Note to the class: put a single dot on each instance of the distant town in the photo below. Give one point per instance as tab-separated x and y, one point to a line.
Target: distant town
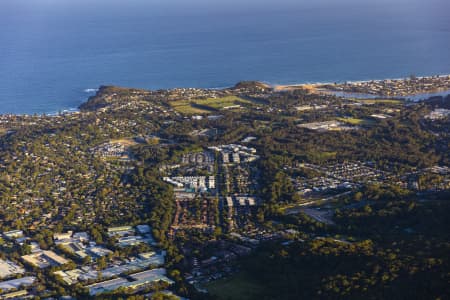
394	87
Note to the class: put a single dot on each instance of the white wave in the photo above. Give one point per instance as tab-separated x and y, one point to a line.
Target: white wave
67	111
90	90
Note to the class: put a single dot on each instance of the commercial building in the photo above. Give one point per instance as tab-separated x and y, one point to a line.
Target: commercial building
13	234
17	283
138	281
44	259
8	268
120	231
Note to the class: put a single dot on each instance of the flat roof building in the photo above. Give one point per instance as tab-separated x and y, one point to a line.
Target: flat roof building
8	268
16	283
13	234
44	259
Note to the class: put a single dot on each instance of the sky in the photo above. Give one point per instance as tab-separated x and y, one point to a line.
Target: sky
427	10
191	6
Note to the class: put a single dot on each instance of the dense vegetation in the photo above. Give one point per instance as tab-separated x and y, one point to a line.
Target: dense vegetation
394	249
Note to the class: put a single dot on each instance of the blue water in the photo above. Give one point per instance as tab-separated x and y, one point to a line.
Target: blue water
51	51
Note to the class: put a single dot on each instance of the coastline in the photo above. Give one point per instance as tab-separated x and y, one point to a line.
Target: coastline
413	88
280	86
312	87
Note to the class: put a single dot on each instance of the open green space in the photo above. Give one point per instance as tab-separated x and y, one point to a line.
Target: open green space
208	105
185	107
240	286
356	121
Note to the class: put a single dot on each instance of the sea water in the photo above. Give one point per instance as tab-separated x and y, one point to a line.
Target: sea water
55	54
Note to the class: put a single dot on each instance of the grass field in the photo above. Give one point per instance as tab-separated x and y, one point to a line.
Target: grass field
354	121
205	106
185	107
239	287
321	155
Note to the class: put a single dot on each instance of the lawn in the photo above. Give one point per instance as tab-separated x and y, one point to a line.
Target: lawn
321	155
221	103
205	106
240	287
185	107
188	109
355	121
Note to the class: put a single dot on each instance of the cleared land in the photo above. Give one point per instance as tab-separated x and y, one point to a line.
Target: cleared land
355	121
127	142
204	106
239	286
311	88
185	107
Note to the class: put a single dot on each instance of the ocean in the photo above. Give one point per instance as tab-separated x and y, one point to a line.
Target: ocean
55	54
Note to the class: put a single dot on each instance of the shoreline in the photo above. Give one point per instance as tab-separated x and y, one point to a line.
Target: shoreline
411	88
358	81
280	86
312	87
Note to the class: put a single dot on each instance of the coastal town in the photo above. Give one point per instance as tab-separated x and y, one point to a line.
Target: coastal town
170	193
394	87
